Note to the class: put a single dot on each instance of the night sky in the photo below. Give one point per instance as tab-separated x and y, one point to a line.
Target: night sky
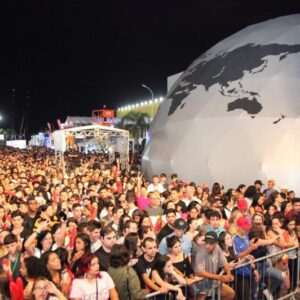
60	57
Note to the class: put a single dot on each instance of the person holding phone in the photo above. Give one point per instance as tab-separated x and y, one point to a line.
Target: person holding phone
270	278
225	243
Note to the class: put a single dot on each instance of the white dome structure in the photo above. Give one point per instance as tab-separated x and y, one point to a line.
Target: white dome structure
233	116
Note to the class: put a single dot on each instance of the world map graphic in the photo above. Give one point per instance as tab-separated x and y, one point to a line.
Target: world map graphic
228	68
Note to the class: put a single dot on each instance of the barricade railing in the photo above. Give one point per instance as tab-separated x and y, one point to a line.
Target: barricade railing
278	280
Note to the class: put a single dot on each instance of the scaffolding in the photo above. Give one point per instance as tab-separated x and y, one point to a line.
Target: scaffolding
112	140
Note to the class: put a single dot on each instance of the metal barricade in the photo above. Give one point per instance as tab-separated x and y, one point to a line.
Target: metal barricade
278	276
191	292
278	280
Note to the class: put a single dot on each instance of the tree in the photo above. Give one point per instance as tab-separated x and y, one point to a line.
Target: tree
10	134
136	123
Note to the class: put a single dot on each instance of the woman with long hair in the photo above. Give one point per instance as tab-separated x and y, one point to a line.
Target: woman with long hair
39	242
125	277
182	263
193	225
133	245
276	233
82	245
271	210
31	269
216	192
66	273
125	217
90	282
53	265
257	205
291	240
225	243
164	275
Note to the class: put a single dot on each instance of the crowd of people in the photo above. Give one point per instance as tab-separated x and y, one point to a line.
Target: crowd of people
96	231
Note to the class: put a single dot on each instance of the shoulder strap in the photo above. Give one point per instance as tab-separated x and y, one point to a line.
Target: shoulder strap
184	265
96	288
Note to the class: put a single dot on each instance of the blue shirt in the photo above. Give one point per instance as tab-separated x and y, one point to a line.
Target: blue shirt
241	244
218	231
186	245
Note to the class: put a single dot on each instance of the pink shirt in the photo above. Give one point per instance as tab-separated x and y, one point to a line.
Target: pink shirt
142	202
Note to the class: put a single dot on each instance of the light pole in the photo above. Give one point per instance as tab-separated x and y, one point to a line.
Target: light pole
150	90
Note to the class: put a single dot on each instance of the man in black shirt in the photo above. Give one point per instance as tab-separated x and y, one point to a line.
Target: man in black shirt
168	228
31	215
145	264
108	239
179	204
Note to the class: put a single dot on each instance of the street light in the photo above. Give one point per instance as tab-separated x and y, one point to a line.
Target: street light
150	90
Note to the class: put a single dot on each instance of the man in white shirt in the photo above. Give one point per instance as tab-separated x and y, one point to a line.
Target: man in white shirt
155	185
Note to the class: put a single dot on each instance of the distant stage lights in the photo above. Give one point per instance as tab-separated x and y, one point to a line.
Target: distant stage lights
155	100
161	99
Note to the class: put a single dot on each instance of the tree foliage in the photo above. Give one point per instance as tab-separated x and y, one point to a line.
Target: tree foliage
136	123
9	134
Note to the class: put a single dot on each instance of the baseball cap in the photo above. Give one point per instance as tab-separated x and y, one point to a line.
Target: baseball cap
284	187
211	237
242	204
258	182
243	223
180	224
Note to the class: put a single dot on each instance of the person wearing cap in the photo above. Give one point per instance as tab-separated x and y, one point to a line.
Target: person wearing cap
209	260
180	227
243	249
284	189
244	209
